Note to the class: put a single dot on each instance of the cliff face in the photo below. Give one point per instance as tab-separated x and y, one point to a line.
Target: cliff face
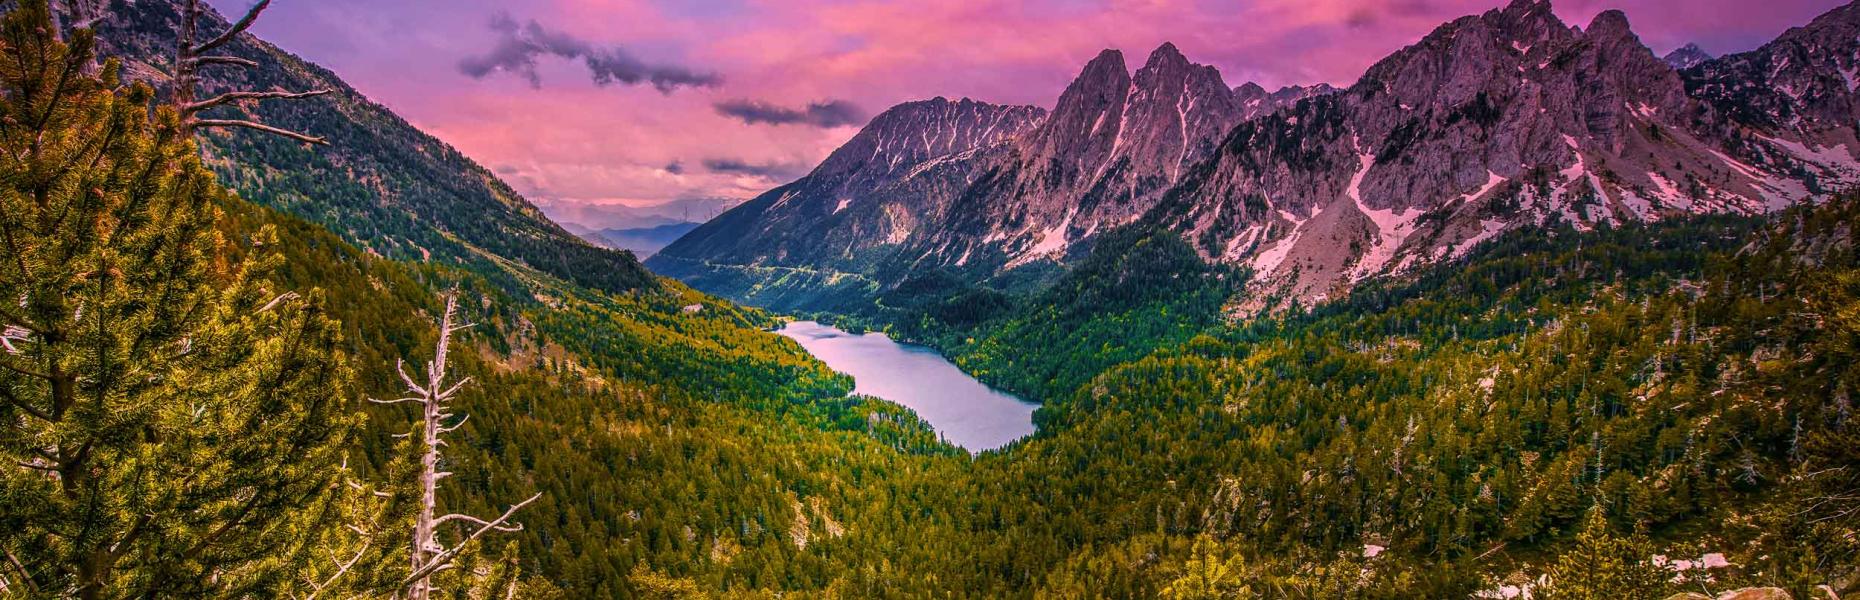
1492	122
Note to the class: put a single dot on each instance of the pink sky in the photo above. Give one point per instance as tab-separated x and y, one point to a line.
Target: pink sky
570	141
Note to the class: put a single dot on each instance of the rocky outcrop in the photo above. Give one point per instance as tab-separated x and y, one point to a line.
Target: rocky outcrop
1492	122
1255	101
1687	56
1114	143
896	176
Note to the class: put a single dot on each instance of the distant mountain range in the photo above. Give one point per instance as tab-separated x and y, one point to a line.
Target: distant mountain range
641	241
1492	122
598	215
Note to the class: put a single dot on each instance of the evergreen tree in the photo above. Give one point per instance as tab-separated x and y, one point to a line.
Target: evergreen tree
172	424
1603	566
1209	575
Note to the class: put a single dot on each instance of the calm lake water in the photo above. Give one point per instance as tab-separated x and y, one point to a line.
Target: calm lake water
964	411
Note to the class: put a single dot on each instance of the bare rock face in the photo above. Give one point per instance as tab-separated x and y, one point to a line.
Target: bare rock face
1687	56
1761	593
1790	106
1114	143
1255	101
1493	122
896	175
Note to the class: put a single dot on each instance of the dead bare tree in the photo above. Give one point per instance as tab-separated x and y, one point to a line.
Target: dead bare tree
428	554
191	56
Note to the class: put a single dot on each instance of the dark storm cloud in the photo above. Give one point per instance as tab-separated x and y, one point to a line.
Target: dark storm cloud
742	167
830	113
520	44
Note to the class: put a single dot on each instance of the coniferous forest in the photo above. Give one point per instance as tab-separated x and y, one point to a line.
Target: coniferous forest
228	372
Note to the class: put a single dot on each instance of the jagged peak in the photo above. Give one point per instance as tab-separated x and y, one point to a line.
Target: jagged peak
1249	90
1167	53
1610	23
1847	14
1687	56
1104	76
1108	58
1528	6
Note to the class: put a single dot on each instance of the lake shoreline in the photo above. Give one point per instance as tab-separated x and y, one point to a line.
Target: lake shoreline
963	410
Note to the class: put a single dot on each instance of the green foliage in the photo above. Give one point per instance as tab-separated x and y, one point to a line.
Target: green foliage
1692	378
1601	566
173	421
382	184
1207	574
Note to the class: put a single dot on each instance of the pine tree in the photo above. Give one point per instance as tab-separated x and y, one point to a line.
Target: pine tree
170	423
1207	575
1604	566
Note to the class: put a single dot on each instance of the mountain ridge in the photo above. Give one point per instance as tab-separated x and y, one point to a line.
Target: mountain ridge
1505	119
390	188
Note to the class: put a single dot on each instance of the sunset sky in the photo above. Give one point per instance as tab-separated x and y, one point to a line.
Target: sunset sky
639	102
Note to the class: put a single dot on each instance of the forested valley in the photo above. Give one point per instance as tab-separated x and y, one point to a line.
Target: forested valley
187	375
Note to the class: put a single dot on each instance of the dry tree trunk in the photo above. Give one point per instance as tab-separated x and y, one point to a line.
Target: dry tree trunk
427	554
191	56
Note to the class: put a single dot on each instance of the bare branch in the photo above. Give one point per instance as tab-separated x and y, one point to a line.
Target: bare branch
455	426
446	557
236	29
14	333
318	589
480	522
400	366
301	137
201	61
282	298
447	395
396	400
229	97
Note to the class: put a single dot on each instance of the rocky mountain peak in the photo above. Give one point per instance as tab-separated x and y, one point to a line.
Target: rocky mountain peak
913	132
1611	24
1802	83
1255	101
1525	20
1506	119
1077	122
1687	56
1166	56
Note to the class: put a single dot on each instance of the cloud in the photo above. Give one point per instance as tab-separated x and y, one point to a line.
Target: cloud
518	46
830	113
675	167
766	170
